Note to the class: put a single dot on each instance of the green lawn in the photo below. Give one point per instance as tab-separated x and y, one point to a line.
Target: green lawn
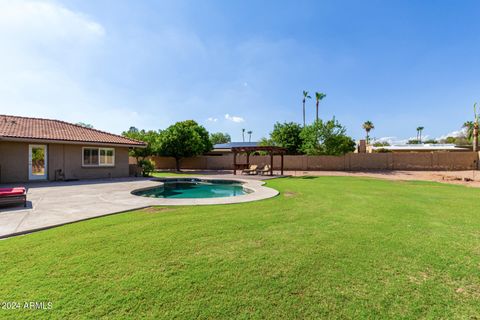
327	247
168	174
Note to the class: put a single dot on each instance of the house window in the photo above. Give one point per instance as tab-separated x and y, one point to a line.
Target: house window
106	157
98	157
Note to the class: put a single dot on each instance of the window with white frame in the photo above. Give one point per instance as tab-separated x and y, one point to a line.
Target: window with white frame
98	157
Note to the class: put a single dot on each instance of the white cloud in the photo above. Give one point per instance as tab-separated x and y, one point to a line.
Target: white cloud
394	140
457	133
211	119
236	119
424	137
41	21
399	141
390	140
47	55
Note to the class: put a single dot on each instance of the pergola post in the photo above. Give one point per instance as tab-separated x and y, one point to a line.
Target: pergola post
271	163
234	163
271	150
281	163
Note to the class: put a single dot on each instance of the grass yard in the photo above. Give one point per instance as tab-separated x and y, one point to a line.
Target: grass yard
167	174
327	247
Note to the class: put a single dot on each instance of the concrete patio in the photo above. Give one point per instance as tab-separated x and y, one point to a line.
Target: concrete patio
57	203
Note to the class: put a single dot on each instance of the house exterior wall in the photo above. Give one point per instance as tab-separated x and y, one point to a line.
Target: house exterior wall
65	157
13	162
74	170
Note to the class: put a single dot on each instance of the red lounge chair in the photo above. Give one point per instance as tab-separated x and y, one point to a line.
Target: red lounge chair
13	195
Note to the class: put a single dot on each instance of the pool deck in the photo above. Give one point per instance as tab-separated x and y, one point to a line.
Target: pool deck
53	204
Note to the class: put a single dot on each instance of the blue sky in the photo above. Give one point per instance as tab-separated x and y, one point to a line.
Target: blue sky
242	64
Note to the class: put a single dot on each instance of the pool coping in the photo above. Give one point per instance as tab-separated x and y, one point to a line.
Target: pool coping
259	192
56	204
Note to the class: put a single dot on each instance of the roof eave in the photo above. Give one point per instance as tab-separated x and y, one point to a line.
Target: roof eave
92	143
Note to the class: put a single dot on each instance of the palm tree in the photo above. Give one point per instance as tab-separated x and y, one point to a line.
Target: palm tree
249	136
475	128
319	96
419	134
243	135
305	97
468	127
368	125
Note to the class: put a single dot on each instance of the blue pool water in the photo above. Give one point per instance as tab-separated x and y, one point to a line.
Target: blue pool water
195	188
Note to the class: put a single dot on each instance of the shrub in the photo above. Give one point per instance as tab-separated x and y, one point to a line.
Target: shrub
148	166
382	150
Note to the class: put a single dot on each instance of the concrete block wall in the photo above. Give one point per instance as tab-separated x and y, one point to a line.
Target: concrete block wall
348	162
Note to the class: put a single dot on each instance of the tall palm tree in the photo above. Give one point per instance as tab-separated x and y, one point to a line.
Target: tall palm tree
468	127
419	134
243	135
319	96
368	125
305	97
475	128
249	136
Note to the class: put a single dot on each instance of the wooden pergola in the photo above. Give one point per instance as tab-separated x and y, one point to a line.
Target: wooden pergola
271	150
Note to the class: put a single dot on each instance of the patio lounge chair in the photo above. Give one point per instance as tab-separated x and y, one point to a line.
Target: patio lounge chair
251	170
13	196
265	170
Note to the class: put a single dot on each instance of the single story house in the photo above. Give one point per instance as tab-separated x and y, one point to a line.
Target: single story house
50	150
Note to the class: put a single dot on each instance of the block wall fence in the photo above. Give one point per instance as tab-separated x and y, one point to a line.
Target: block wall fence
348	162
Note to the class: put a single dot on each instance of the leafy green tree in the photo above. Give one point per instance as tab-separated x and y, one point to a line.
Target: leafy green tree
184	139
266	142
430	141
382	150
38	154
219	137
460	140
326	138
413	141
368	126
287	135
381	144
151	137
305	97
85	125
449	140
318	97
131	131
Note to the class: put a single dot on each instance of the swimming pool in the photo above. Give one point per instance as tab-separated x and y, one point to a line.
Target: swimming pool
195	189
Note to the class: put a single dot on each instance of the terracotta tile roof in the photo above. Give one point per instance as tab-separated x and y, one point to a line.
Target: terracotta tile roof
56	130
